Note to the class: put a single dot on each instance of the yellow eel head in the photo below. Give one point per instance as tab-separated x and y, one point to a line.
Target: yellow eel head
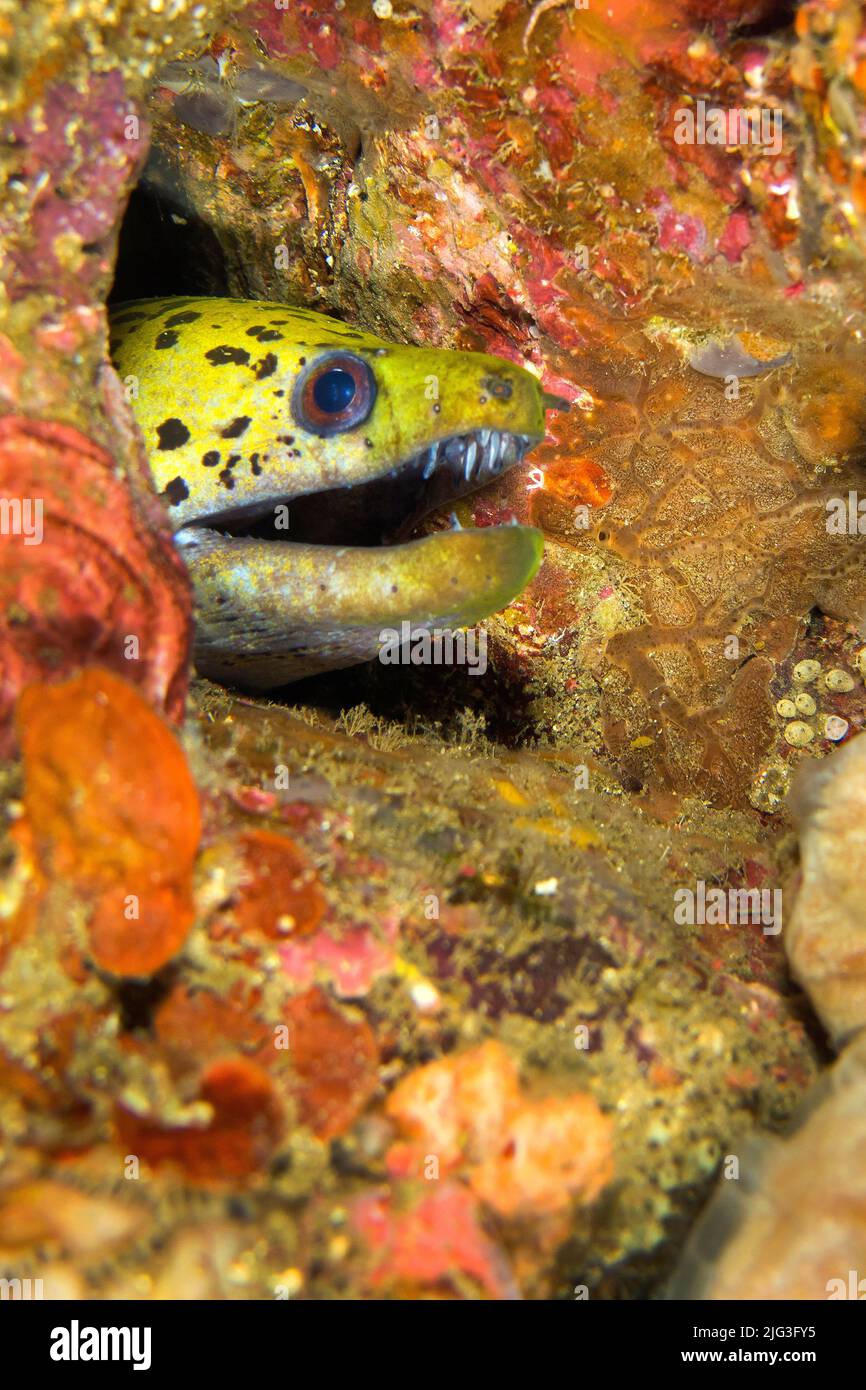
292	450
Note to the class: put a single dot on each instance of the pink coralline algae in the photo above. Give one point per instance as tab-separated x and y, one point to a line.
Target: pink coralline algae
350	957
736	238
437	1241
90	145
678	231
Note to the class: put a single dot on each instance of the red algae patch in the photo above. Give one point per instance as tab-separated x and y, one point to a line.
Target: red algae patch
336	1062
111	808
323	1058
218	1052
351	961
246	1075
282	896
242	1123
200	1025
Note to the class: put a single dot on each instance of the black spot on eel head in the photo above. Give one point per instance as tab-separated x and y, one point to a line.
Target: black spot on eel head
237	427
263	334
222	355
172	433
267	366
176	491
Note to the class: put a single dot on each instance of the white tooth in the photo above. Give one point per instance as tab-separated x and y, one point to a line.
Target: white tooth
495	446
483	437
431	461
471	454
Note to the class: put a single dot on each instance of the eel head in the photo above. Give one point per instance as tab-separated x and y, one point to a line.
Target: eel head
297	454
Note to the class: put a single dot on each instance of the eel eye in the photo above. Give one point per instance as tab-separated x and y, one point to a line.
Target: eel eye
335	393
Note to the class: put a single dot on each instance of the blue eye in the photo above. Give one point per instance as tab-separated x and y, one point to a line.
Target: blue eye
333	391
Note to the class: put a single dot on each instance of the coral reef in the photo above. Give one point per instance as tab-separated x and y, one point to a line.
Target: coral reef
381	989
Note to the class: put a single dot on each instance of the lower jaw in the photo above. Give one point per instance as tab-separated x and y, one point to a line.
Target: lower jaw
271	612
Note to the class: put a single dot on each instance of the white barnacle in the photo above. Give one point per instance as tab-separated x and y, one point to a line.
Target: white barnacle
835	728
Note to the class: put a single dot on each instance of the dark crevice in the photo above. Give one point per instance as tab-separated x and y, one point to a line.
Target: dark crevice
138	999
423	698
775	20
164	249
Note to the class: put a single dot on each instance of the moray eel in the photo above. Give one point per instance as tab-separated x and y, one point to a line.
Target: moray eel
293	451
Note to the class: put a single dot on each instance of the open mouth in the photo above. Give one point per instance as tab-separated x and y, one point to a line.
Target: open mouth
387	508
